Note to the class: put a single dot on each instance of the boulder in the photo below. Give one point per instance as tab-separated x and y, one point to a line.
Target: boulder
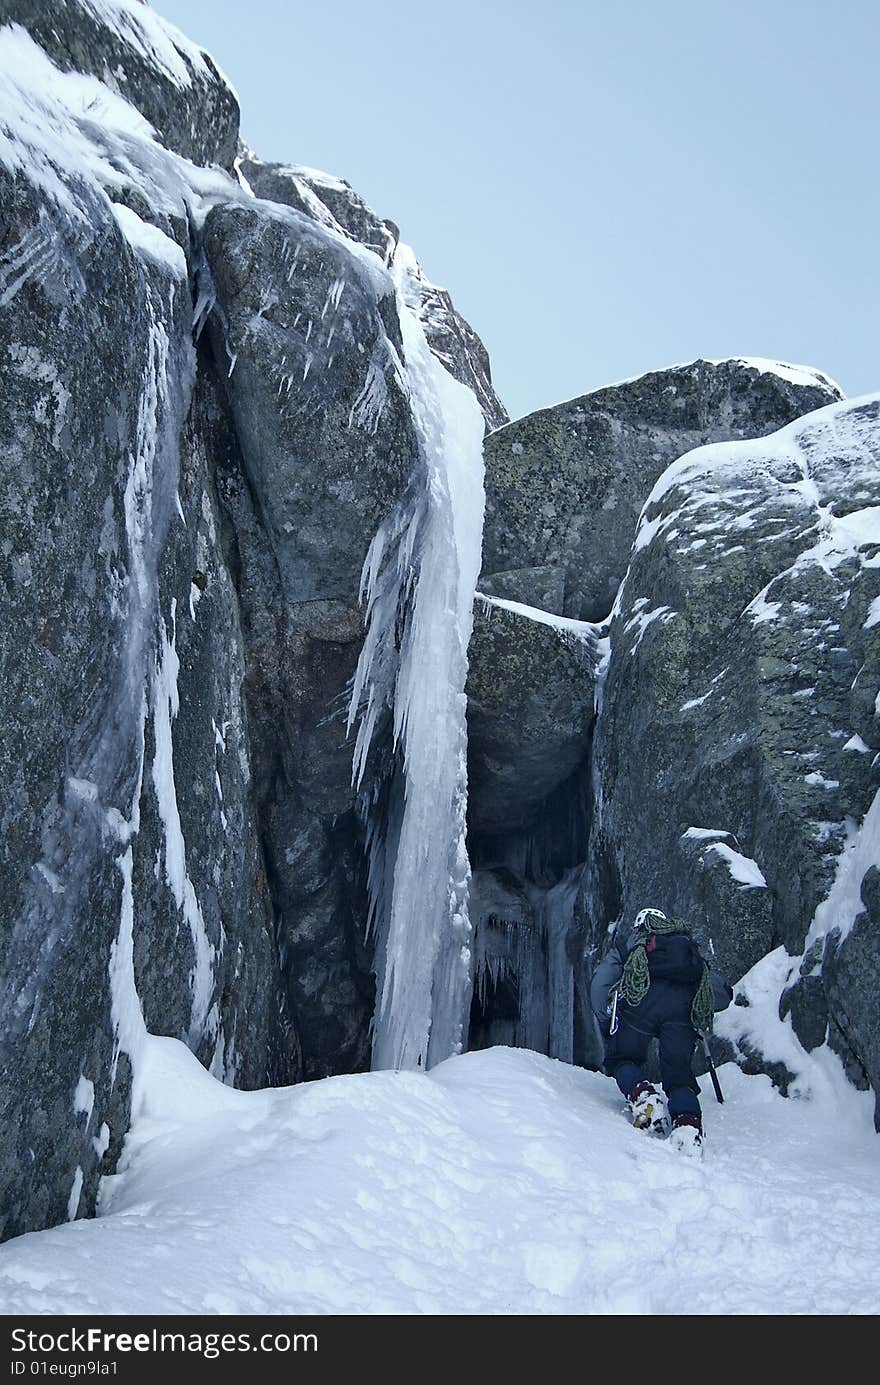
531	689
304	338
565	485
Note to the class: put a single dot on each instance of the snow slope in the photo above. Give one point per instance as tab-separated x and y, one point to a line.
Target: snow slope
500	1182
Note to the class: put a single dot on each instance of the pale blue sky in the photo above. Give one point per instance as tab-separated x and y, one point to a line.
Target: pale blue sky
604	187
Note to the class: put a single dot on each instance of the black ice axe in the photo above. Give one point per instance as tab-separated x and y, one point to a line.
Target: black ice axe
712	1073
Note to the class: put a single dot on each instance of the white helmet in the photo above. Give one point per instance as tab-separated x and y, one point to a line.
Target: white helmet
644	917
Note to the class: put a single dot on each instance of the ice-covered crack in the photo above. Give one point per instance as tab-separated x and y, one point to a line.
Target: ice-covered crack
126	1012
125	1006
165	707
150	484
839	910
139	486
367	409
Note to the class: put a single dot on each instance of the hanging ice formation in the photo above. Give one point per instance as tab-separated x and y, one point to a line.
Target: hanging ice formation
418	582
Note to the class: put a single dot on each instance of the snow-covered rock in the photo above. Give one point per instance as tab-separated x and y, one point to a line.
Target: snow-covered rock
564	486
728	793
123	747
139	57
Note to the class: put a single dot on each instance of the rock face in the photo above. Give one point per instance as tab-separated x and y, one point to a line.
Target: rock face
335	205
124	771
313	390
737	742
530	711
564	486
186	509
564	490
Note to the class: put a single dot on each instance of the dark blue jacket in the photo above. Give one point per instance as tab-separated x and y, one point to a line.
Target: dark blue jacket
610	969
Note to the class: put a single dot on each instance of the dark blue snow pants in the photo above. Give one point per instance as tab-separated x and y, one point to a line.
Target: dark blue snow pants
665	1015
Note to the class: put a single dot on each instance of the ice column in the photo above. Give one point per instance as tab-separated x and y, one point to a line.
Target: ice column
419	581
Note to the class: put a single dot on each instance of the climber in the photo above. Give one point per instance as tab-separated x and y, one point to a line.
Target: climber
658	986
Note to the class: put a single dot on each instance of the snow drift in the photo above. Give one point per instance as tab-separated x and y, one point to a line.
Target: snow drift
501	1182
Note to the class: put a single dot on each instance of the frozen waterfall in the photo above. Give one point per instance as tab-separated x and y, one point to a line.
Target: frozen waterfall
419	582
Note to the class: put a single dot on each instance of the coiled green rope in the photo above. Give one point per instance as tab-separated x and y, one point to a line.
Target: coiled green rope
636	978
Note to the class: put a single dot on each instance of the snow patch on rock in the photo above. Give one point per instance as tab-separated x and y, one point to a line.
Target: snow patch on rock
746	872
149	242
584	630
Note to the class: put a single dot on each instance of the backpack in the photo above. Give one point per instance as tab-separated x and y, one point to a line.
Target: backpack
674	957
